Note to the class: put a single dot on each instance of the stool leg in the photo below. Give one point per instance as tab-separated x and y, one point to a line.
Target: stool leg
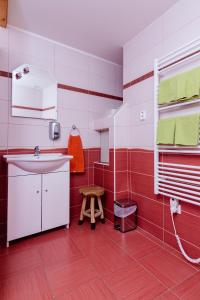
82	210
92	202
101	210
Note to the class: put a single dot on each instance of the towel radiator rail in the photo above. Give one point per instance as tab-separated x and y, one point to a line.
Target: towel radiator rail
174	180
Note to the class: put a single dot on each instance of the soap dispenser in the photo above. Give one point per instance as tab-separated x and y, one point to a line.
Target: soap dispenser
54	130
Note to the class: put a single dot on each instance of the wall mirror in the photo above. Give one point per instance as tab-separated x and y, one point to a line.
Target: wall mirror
34	93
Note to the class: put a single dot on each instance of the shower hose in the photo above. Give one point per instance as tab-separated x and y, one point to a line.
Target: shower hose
190	259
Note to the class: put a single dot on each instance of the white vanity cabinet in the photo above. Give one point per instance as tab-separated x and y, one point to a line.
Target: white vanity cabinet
24	206
36	202
55	200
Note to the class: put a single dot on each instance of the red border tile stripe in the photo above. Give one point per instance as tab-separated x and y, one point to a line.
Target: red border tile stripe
73	88
5	74
85	91
139	79
151	73
33	108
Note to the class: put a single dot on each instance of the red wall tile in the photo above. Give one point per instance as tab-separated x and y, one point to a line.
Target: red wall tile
98	176
108	180
108	201
150	227
144	185
142	162
187	226
121	181
149	209
154	214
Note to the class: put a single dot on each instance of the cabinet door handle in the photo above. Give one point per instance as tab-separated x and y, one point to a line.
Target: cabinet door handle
46	190
37	192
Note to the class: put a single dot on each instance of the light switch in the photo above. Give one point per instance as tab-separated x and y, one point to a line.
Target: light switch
143	115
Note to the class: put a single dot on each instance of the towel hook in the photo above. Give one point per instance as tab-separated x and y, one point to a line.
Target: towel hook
74	127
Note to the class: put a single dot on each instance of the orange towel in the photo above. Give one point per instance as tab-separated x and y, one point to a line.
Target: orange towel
75	148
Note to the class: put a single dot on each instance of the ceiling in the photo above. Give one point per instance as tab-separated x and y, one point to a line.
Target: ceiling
100	27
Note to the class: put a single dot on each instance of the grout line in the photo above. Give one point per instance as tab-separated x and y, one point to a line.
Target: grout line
188	242
135	260
171	252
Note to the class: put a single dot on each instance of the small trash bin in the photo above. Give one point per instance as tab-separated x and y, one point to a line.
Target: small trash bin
125	215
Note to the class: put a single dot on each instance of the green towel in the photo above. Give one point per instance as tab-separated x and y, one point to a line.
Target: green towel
193	84
181	86
166	131
184	86
187	130
167	90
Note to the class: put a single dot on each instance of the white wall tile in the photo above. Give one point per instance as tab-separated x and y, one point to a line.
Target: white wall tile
122	137
150	37
3	111
68	117
122	117
142	136
141	92
70	58
21	42
73	100
180	14
72	76
183	36
147	107
4	88
93	139
3	135
3	49
102	105
28	136
18	58
69	67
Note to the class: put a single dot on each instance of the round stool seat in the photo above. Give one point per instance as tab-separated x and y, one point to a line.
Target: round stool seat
97	191
92	192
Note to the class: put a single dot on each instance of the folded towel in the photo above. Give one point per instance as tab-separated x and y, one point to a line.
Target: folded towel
167	90
184	86
187	130
181	86
75	148
193	84
166	131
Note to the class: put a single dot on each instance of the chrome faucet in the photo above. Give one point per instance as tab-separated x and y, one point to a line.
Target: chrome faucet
36	151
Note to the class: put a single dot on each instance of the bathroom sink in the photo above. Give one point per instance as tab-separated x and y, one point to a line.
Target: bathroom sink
43	163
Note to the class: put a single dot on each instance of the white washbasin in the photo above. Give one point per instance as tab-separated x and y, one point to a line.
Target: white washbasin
43	163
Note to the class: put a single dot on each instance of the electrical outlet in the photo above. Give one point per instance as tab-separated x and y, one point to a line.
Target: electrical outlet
175	207
143	115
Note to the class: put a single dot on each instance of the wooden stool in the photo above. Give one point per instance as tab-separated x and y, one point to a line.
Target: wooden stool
92	193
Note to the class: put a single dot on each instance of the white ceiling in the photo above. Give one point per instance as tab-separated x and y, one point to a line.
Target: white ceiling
100	27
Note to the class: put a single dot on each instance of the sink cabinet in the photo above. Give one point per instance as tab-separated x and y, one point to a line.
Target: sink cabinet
36	202
55	206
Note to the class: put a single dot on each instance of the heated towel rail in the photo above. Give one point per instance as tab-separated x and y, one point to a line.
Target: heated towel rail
173	179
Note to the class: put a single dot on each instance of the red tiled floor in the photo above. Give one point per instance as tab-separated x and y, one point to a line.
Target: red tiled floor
89	240
134	282
18	262
60	250
94	289
80	264
64	278
109	258
136	245
189	289
167	267
31	285
167	296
